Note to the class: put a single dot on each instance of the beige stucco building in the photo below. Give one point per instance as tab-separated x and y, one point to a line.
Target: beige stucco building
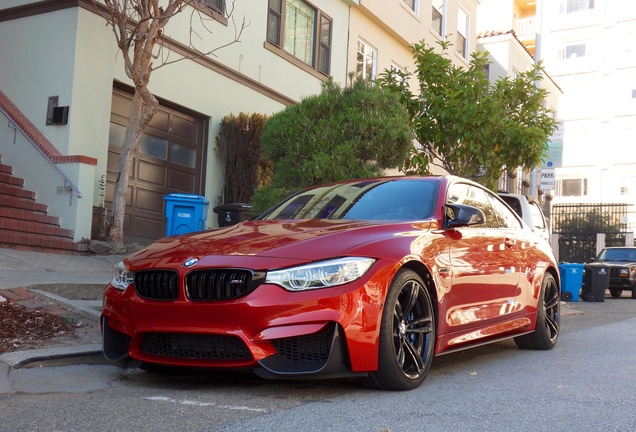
65	94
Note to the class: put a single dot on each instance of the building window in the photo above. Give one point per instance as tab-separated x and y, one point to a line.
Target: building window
438	12
301	31
413	5
623	190
575	50
633	93
462	32
571	6
217	5
573	187
399	73
367	59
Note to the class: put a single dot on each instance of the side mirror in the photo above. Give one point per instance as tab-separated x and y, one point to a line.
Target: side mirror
459	215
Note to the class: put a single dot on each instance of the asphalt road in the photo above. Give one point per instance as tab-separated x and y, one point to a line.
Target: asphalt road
587	382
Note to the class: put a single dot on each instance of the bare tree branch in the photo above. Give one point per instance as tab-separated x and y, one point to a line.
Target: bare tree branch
138	27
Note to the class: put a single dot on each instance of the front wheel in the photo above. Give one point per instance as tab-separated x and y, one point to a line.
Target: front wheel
407	335
546	332
616	293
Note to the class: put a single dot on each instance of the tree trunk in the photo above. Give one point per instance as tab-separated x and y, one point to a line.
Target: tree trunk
143	108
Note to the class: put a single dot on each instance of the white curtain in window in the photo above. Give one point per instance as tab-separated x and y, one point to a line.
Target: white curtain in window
299	30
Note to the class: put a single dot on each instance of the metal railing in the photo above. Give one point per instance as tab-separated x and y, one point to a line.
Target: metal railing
524	26
578	225
68	183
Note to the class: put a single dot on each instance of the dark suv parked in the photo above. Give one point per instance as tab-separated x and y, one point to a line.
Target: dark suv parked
622	265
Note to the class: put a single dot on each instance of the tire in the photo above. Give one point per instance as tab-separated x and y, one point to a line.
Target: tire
407	335
546	332
616	293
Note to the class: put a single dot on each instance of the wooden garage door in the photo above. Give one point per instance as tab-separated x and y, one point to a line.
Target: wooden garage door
170	159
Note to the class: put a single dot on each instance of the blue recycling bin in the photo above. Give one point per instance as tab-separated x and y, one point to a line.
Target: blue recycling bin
185	213
571	281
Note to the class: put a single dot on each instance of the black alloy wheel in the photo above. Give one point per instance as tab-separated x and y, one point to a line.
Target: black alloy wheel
548	318
407	335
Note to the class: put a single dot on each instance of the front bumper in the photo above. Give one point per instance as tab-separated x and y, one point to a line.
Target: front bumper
275	333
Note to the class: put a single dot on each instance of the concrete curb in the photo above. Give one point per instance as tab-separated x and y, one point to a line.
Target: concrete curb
85	307
18	359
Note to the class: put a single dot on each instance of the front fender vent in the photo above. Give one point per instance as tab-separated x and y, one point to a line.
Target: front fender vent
307	348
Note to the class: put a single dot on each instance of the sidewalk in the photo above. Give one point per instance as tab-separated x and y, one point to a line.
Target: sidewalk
57	283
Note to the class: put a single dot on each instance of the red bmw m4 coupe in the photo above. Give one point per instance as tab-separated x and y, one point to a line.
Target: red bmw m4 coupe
369	278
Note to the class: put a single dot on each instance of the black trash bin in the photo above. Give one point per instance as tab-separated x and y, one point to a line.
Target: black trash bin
596	283
232	213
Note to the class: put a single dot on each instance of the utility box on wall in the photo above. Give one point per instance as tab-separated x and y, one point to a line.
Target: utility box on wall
185	213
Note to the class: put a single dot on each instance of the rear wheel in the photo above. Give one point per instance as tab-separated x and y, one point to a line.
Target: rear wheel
616	293
407	335
548	318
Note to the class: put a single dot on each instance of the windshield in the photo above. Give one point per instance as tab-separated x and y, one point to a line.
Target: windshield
624	254
390	199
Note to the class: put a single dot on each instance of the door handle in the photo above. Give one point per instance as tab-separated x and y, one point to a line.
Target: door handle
510	242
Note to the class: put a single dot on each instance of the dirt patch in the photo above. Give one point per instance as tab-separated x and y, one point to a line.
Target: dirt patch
40	323
21	328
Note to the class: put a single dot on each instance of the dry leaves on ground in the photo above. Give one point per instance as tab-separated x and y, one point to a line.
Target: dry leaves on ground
21	328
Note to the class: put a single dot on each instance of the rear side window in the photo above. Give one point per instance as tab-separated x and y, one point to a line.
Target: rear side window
537	216
506	218
513	203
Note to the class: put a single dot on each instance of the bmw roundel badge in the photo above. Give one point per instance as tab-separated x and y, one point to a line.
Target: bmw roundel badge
190	262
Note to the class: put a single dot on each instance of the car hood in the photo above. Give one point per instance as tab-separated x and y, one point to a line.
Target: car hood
613	264
270	244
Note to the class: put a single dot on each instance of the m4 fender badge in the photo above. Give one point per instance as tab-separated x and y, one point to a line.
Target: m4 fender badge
190	262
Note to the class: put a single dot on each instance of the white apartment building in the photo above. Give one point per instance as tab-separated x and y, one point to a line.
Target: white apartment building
508	31
589	48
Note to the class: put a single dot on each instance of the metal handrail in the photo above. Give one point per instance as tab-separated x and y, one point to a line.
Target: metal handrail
67	180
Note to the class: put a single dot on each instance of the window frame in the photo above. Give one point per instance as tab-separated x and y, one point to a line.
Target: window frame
374	61
564	6
321	43
211	10
415	8
218	5
571	46
442	18
464	52
567	186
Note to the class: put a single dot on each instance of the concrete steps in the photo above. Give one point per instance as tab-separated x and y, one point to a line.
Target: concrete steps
25	223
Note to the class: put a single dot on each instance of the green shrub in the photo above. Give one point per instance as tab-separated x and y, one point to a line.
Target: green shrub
339	134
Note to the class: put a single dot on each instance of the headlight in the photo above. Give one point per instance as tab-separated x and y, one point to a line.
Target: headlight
322	274
624	272
122	277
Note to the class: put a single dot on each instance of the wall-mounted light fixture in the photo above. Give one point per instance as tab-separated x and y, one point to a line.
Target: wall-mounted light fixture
56	115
